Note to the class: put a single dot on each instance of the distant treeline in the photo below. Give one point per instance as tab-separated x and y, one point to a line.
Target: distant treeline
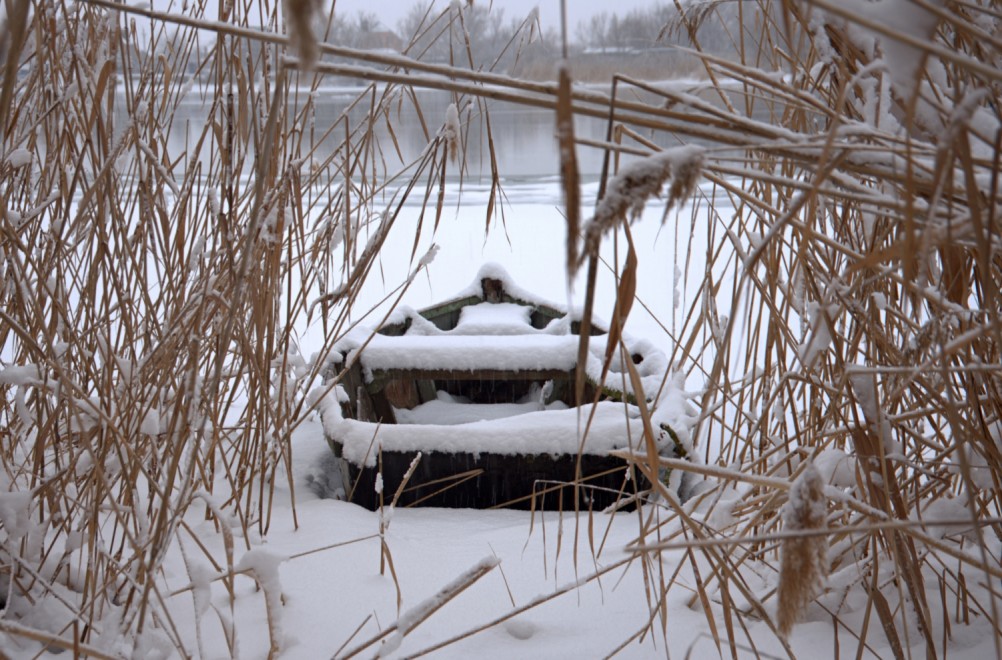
649	42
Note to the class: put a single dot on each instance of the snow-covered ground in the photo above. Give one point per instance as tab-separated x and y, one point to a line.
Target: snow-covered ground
330	593
335	599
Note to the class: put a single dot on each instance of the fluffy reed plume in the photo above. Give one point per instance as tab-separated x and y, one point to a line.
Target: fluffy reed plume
804	558
452	130
637	182
299	22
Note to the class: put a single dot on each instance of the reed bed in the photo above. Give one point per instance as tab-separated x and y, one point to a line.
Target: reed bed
849	322
153	294
844	347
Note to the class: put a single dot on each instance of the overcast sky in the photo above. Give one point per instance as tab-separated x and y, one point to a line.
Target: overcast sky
391	11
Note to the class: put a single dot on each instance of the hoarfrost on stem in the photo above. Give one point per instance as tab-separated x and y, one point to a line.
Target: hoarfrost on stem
820	336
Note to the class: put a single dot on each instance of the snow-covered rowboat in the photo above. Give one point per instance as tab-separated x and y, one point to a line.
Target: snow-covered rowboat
482	386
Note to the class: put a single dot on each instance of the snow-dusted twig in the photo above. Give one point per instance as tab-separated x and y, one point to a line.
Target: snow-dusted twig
415	616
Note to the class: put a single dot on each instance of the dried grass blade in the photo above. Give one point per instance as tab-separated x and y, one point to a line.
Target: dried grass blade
626	293
886	620
581	370
14	35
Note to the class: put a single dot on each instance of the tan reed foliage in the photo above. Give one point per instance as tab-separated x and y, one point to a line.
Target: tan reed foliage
173	210
846	253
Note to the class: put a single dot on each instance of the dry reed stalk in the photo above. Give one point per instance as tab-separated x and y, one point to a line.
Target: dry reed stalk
536	602
569	176
412	619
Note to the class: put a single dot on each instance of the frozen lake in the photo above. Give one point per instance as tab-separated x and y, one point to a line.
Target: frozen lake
530	245
523	136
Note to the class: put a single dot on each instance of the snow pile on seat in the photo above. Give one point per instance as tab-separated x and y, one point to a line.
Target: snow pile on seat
545	432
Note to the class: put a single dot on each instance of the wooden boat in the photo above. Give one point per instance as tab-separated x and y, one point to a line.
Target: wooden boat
482	387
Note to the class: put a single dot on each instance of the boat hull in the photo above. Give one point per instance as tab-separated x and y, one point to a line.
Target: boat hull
485	480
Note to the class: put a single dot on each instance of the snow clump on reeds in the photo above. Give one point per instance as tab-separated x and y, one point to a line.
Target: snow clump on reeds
451	131
637	182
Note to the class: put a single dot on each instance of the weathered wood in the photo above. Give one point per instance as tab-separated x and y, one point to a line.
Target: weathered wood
593	330
363	406
396	329
426	390
493	289
431	380
446	315
381	408
380	377
359	399
521	481
402	393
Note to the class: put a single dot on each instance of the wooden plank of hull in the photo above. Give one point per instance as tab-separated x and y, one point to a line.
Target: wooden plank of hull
518	481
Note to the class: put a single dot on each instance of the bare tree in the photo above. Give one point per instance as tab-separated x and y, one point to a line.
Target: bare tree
593	32
468	36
